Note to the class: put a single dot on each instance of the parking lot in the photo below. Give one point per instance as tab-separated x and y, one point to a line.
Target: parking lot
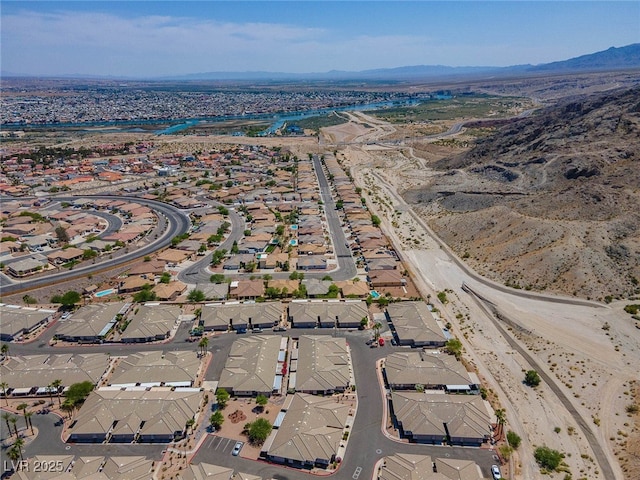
219	444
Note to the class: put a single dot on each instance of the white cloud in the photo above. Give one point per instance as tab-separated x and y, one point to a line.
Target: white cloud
30	40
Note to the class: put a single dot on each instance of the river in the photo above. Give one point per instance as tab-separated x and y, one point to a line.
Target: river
276	120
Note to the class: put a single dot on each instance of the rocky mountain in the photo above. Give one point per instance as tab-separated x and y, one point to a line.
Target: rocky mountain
549	202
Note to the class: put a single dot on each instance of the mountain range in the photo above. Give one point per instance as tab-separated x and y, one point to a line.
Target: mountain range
620	58
611	59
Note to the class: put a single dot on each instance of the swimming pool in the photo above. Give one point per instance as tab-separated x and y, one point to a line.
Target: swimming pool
294	227
104	293
293	242
375	295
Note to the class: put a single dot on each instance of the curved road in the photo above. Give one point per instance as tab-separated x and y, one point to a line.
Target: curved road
470	272
171	220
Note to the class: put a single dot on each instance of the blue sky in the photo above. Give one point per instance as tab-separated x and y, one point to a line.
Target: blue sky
149	38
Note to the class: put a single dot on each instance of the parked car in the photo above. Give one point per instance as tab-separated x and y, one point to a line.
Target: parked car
237	448
381	341
495	472
256	330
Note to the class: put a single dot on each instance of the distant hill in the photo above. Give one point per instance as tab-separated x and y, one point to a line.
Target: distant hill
610	59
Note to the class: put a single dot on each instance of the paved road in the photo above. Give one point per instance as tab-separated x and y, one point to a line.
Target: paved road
198	273
171	222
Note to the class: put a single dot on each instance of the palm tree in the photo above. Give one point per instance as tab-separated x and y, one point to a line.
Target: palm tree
68	406
18	444
500	420
6	416
4	350
376	329
57	383
27	418
4	386
204	342
50	392
13	420
23	407
13	454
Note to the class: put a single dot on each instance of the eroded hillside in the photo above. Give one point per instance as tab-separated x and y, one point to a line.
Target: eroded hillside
549	202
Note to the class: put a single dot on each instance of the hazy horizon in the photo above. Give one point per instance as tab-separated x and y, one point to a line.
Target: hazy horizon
153	39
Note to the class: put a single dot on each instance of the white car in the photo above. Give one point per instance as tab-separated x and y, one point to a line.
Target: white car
237	448
495	472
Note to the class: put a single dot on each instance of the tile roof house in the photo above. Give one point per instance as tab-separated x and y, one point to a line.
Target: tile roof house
310	433
415	325
323	365
251	366
126	416
432	370
246	289
439	418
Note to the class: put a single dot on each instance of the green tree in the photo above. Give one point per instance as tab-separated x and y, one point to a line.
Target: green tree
68	299
216	419
78	392
4	350
29	300
375	220
454	347
514	439
234	248
547	458
62	235
442	296
333	291
217	278
89	254
145	295
222	397
532	378
261	401
196	296
165	277
259	430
